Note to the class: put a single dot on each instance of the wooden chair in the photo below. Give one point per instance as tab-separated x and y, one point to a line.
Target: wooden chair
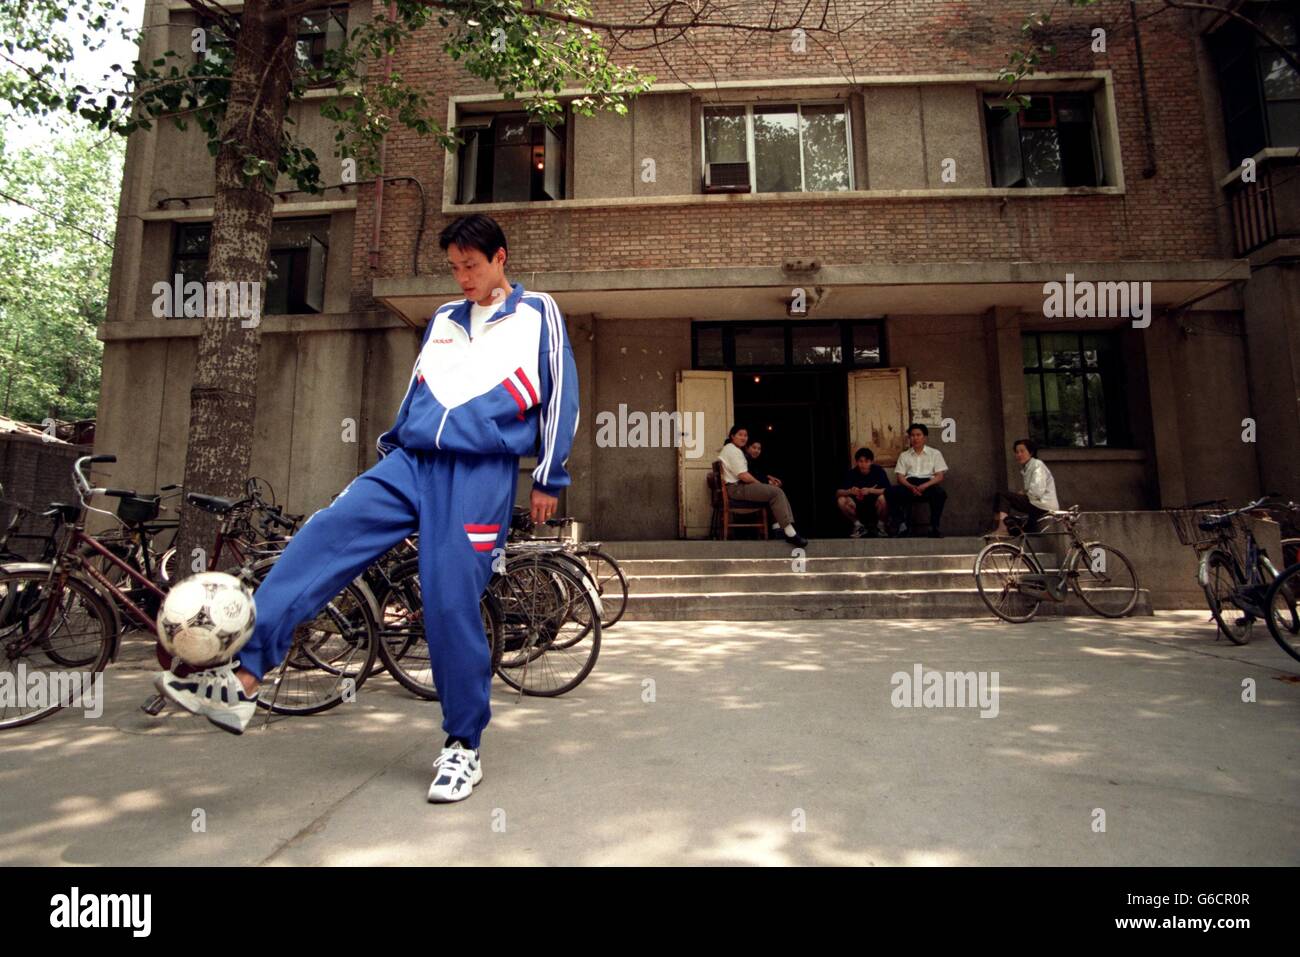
723	509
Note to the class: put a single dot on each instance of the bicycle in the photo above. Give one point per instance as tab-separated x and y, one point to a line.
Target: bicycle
1283	617
65	613
1233	571
548	611
534	606
586	558
1013	582
403	646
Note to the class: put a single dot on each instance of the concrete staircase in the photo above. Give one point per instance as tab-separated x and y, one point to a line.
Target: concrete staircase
840	578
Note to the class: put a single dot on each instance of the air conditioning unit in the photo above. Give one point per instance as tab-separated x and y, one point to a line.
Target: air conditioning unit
726	178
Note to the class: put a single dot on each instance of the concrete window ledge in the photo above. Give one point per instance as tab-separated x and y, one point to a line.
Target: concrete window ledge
840	196
271	325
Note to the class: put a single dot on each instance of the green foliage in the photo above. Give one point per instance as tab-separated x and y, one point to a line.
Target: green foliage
53	273
523	55
1024	61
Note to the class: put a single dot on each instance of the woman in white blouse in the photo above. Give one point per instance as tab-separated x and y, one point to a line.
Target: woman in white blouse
1039	496
744	487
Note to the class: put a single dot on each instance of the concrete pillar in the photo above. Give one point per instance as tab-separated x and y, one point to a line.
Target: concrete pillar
580	499
1272	300
1166	437
1006	360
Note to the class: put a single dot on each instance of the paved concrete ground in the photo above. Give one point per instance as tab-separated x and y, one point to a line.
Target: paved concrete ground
755	729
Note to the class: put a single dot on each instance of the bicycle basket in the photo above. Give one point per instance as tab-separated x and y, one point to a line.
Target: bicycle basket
137	509
1187	520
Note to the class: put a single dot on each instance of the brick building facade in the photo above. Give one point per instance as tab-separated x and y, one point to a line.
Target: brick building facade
881	187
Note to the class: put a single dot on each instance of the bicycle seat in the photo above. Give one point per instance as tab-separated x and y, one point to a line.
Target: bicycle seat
211	503
66	512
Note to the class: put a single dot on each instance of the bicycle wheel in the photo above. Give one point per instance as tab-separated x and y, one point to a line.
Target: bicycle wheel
998	570
611	585
543	604
329	660
402	644
1290	552
1105	579
1221	580
1283	617
44	623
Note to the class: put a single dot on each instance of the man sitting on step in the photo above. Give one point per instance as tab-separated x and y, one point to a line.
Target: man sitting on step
863	496
920	471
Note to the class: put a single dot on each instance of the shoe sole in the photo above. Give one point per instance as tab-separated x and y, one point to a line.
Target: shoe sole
238	729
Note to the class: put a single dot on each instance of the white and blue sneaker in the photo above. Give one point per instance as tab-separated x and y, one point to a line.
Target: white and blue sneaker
217	694
455	772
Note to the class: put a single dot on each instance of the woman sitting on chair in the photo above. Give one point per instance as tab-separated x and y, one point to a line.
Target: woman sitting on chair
744	487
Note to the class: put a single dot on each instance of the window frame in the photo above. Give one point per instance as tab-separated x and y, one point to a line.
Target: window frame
845	106
484	124
213	28
1224	57
178	257
729	328
1112	378
989	110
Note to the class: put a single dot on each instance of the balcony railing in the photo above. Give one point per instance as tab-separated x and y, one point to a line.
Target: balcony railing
1266	209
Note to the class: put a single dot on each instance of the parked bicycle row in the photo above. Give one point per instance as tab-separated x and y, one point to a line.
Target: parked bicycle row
1241	584
544	610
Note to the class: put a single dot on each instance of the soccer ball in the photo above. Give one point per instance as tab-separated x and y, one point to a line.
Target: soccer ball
206	618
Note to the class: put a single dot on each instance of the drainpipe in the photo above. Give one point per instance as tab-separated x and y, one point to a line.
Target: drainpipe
1150	170
383	144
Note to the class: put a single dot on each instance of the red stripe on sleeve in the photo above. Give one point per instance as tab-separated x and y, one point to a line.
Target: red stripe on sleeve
532	393
519	399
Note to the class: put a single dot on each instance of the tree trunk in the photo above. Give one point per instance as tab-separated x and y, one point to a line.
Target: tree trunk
223	398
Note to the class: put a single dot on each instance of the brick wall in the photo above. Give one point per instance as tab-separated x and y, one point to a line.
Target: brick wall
1168	217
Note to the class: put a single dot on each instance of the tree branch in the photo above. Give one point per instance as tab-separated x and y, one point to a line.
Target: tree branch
54	219
1287	55
221	15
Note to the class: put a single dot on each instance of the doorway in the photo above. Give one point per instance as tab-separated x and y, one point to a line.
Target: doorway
801	418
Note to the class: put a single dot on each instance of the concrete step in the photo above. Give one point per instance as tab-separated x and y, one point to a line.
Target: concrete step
784	606
777	548
786	582
638	567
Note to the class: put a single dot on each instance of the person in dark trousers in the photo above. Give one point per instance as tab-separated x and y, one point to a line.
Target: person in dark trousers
494	380
744	487
753	452
863	496
1039	496
921	471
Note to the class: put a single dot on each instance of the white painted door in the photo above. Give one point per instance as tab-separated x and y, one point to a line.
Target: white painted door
878	413
704	401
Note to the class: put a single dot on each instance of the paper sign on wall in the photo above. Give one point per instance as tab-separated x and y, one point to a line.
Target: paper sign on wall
927	402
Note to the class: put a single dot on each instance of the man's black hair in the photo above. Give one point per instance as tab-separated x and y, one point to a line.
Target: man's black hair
476	231
919	425
864	453
1030	446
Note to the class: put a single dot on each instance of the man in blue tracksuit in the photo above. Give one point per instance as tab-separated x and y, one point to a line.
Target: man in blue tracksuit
495	379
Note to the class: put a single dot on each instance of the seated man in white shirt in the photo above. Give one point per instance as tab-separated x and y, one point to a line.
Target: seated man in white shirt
1039	496
921	471
744	487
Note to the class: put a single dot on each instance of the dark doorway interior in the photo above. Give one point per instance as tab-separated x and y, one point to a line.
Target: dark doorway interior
802	420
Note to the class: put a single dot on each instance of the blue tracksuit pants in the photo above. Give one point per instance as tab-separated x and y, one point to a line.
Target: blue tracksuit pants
460	504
